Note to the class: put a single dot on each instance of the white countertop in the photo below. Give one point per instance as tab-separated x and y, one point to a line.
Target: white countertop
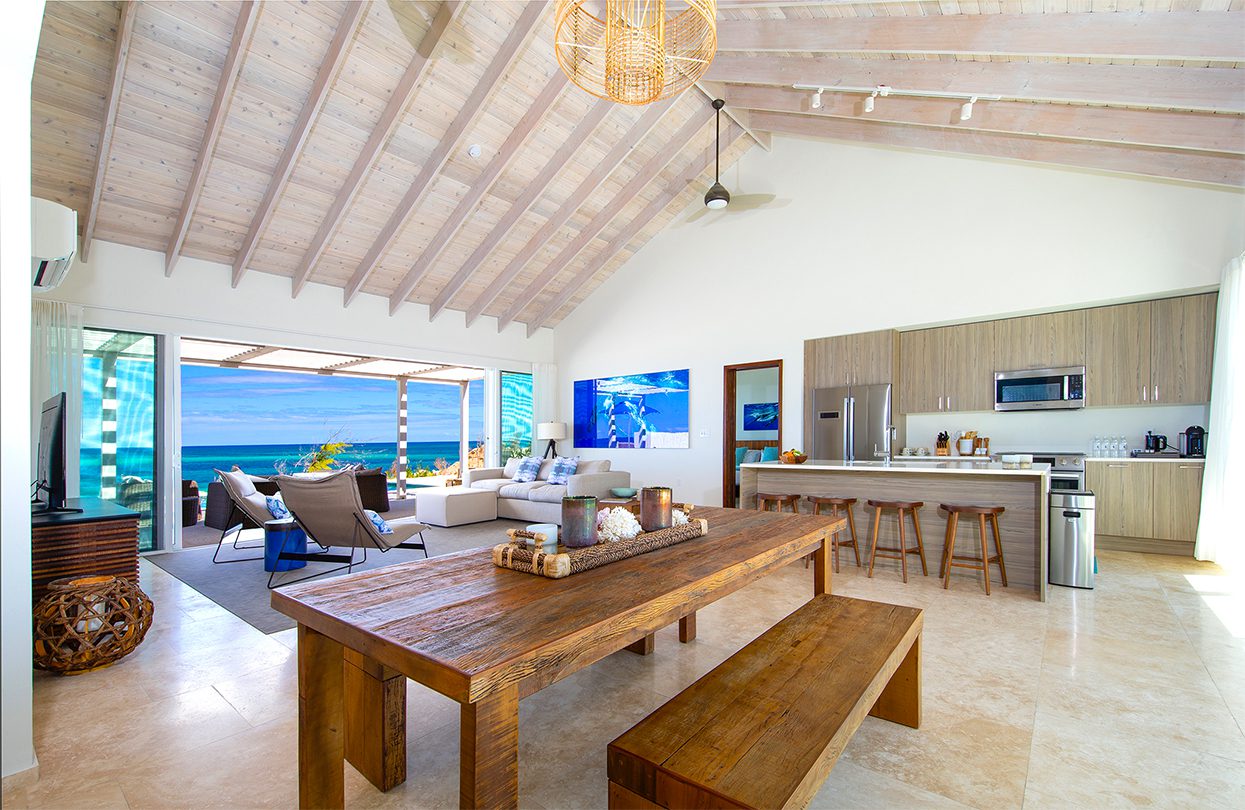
1151	459
952	466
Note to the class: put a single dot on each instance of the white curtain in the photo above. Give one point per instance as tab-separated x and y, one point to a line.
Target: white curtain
1219	535
56	366
544	394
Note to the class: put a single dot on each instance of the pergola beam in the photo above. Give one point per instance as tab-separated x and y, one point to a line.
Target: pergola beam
653	167
431	167
329	67
590	184
695	167
125	34
1201	167
1198	89
242	30
398	102
531	192
1161	128
1175	35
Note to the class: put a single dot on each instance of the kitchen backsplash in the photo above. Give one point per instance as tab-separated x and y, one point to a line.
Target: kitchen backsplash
1059	430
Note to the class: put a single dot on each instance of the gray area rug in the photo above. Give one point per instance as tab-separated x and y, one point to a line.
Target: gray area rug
242	587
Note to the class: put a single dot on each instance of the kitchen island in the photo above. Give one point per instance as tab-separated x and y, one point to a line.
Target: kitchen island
1022	492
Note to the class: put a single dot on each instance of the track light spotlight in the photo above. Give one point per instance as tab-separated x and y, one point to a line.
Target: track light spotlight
817	100
966	109
869	101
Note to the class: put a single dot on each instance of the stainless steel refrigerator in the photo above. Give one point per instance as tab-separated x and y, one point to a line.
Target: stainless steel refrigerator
852	422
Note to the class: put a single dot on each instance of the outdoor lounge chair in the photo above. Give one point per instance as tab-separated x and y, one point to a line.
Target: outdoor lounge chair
248	509
330	511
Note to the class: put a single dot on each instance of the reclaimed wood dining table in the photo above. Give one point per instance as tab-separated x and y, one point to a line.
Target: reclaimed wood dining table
486	636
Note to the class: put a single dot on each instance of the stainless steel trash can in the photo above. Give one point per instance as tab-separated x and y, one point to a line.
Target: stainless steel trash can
1071	560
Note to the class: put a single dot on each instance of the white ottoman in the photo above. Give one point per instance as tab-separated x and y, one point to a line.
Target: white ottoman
455	506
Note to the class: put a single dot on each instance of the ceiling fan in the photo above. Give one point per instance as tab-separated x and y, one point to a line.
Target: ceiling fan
717	198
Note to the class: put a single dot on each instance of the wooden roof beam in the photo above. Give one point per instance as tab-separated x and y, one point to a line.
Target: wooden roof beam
1162	128
329	67
509	148
1200	89
1192	35
716	90
701	161
431	167
125	33
1198	167
652	114
653	167
531	192
446	14
248	12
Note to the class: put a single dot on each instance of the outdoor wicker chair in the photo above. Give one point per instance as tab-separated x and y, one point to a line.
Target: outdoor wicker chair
330	511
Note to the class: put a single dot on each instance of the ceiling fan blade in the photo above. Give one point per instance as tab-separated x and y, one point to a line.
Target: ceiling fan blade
745	202
695	215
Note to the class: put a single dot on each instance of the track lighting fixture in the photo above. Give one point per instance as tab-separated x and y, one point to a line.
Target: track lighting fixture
817	100
869	101
966	109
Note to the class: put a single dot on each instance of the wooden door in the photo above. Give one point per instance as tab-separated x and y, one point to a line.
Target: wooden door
1117	356
873	357
1040	341
1182	335
1177	500
922	386
968	367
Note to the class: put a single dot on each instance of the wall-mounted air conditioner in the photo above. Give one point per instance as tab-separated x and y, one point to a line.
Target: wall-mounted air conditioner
53	238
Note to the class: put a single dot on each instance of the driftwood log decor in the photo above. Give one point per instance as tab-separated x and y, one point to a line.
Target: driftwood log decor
87	623
521	555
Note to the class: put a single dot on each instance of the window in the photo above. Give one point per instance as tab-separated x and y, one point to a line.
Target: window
516	415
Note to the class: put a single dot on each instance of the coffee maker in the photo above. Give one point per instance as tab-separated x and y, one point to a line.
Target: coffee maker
1193	442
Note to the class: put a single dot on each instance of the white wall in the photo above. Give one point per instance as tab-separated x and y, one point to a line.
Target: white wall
874	238
125	288
19	37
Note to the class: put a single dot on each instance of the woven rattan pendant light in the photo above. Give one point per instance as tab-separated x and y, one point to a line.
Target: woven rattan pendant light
638	52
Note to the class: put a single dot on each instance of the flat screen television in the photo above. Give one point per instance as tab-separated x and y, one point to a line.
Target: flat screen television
50	465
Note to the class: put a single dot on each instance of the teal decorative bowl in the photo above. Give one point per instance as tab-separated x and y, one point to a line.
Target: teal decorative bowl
623	492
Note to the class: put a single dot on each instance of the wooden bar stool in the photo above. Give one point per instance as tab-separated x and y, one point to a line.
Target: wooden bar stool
951	559
765	499
901	553
837	505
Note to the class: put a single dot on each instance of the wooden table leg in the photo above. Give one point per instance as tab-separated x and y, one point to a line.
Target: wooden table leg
321	720
375	720
488	760
646	645
687	628
900	701
821	566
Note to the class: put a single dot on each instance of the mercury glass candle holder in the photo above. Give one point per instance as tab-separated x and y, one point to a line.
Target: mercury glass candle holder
656	509
579	521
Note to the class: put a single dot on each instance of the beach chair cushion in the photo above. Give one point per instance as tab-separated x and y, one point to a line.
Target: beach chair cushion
379	522
276	506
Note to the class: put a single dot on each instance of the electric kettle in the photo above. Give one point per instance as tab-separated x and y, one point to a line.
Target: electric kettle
1155	444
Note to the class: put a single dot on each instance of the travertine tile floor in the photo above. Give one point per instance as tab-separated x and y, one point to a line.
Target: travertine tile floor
1132	694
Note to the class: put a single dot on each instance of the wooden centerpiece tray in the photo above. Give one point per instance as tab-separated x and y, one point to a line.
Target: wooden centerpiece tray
521	553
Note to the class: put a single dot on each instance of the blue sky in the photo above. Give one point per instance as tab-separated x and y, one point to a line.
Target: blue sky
248	406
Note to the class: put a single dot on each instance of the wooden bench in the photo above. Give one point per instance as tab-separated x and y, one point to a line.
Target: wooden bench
764	728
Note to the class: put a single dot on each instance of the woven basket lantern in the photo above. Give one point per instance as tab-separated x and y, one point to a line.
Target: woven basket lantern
87	623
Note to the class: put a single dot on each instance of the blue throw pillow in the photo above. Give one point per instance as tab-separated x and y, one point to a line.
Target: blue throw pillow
276	507
563	468
769	454
378	522
739	456
529	468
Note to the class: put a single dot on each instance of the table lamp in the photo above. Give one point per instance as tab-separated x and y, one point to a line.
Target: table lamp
551	432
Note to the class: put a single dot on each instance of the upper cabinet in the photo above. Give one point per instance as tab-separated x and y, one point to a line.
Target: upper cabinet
1152	352
861	359
1040	341
947	369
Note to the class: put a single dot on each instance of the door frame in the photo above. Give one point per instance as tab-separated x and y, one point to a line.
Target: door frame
729	388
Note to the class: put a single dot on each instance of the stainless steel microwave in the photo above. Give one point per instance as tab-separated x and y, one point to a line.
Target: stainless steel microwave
1040	389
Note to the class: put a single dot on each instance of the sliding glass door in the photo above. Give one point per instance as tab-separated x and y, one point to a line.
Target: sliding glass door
118	451
516	415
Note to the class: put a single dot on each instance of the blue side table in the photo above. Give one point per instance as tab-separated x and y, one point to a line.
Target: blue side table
283	535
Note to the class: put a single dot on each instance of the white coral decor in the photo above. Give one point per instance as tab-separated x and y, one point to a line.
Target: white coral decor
616	524
679	517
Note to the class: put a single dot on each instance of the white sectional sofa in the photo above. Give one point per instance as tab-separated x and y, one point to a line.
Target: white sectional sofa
540	501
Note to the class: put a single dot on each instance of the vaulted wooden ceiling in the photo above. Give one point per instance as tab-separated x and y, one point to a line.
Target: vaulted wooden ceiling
328	141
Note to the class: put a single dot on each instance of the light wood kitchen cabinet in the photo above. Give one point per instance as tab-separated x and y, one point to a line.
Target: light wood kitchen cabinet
1182	340
1124	506
874	357
921	371
1040	341
1177	500
1117	355
947	369
866	358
